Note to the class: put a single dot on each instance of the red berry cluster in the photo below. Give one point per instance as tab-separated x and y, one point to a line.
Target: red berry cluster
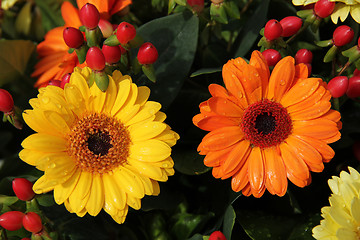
341	85
14	220
287	27
217	235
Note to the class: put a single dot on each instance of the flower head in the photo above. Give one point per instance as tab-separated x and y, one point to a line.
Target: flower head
267	128
342	217
55	61
98	150
342	9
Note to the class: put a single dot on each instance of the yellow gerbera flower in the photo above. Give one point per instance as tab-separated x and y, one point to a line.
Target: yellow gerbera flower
98	150
342	9
342	217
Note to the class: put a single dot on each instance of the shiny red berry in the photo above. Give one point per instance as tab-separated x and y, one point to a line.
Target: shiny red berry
32	222
342	35
271	56
112	53
303	56
23	189
89	16
125	32
95	59
356	72
290	25
273	30
6	101
338	86
65	79
309	67
12	220
147	54
353	89
54	83
324	8
217	235
73	37
26	239
197	5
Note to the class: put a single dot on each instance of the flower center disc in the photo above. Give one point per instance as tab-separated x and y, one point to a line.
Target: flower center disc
98	143
266	123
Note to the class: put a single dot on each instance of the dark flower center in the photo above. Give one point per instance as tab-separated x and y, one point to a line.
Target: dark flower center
99	143
266	124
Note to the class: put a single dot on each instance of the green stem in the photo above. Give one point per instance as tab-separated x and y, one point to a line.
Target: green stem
336	104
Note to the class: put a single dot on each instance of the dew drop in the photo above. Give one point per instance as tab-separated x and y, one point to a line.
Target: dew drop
52	165
45	100
165	165
59	106
282	82
240	95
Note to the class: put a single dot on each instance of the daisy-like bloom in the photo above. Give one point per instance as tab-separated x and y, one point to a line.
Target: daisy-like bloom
267	128
342	9
98	150
342	217
55	61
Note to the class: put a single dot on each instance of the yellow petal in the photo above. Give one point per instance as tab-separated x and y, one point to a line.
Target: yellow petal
124	87
57	120
78	80
146	113
115	197
150	151
129	182
355	12
147	169
44	142
43	185
96	198
78	198
146	131
111	93
340	11
76	104
143	95
63	191
134	202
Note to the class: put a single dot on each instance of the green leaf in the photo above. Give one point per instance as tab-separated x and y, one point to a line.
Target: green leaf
188	161
50	13
175	38
252	28
303	231
229	221
8	200
45	200
14	56
205	71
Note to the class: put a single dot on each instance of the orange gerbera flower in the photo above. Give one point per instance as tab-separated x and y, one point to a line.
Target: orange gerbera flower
267	128
55	61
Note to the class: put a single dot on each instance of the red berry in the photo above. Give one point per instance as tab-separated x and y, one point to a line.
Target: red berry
338	86
309	6
353	89
197	5
125	32
309	67
73	37
303	56
54	83
217	235
272	56
147	54
324	8
356	72
32	222
12	220
65	79
106	28
112	53
358	44
89	16
23	189
342	35
273	30
6	101
290	25
26	239
95	59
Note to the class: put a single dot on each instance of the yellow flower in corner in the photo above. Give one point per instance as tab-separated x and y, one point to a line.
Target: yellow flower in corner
98	150
341	11
342	217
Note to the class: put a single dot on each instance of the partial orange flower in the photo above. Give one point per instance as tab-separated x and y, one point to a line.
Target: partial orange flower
55	61
267	128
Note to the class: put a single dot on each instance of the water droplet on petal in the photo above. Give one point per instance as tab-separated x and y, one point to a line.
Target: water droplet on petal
45	100
282	82
52	165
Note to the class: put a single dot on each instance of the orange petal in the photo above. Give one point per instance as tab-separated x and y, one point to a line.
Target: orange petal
301	71
119	5
318	109
324	149
300	91
332	115
275	172
197	118
316	128
214	122
306	152
224	107
246	191
217	158
258	61
222	138
217	172
308	102
258	193
218	91
240	179
297	170
281	78
236	159
256	170
70	15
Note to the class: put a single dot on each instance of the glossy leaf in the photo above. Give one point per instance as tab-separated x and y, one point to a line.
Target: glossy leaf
229	221
175	37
